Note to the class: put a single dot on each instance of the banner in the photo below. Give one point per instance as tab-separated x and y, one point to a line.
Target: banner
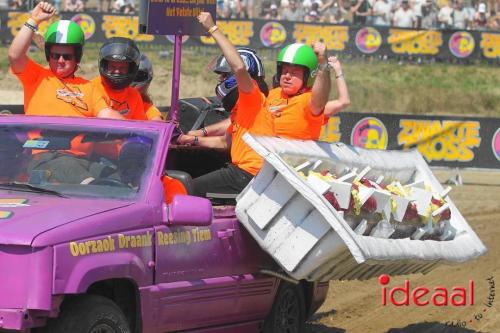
447	45
462	142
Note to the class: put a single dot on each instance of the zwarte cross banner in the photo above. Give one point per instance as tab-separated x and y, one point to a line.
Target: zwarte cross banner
448	45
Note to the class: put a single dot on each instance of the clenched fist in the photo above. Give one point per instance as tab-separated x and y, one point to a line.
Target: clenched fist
43	11
320	50
206	20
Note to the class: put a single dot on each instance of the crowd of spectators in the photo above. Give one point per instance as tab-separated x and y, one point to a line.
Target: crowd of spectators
113	6
425	14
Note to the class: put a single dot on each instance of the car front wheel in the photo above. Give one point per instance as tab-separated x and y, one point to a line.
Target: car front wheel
88	314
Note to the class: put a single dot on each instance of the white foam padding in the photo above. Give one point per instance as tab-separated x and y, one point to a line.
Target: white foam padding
310	240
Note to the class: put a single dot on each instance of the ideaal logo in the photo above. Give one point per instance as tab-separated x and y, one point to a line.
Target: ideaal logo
422	296
440	296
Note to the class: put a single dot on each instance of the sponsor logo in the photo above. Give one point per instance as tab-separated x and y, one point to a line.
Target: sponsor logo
273	34
86	22
369	133
461	44
424	296
368	40
495	144
441	140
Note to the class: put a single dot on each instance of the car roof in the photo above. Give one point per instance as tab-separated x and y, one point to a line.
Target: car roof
91	122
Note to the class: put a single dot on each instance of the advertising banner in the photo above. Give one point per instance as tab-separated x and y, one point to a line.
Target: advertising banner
358	41
463	142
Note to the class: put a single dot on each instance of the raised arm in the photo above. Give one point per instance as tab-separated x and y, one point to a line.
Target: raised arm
335	106
321	86
232	56
17	50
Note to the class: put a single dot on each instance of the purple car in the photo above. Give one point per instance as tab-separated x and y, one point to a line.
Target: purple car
88	244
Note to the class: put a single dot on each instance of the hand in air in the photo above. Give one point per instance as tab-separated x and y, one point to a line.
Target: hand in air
206	20
43	11
320	50
335	64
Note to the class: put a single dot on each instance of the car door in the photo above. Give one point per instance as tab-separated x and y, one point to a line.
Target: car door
194	276
256	290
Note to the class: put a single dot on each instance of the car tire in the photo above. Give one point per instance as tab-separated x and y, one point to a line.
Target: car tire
288	313
88	314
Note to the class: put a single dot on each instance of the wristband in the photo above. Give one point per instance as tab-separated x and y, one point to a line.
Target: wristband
325	67
34	20
30	26
204	131
339	75
213	29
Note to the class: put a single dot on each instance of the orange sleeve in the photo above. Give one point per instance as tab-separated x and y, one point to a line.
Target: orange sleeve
306	105
30	74
98	101
248	106
171	188
137	111
151	111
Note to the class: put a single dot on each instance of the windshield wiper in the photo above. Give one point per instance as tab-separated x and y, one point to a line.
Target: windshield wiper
29	188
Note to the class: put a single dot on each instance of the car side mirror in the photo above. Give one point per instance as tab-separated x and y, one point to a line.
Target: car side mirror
188	210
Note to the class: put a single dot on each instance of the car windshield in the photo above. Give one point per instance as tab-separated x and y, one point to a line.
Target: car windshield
104	163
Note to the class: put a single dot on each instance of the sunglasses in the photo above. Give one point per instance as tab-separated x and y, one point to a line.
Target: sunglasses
66	56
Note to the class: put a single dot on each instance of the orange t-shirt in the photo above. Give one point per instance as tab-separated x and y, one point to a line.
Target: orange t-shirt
127	101
151	111
292	116
248	115
46	95
172	187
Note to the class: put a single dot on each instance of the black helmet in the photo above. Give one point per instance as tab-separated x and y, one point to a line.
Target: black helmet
252	62
144	75
119	49
226	90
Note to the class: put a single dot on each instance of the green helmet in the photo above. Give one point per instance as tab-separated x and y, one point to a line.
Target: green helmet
301	55
65	32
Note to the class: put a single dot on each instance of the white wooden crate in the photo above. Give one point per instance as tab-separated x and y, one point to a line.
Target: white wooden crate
310	240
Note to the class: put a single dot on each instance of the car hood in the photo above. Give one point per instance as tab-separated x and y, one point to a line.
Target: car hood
25	215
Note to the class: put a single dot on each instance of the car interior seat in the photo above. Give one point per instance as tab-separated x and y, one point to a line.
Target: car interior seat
183	177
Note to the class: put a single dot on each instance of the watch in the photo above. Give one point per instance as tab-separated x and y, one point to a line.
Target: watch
325	67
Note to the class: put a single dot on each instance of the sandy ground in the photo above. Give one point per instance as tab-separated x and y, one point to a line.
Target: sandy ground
356	306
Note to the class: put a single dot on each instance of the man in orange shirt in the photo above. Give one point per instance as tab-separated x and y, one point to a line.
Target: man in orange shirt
141	83
55	91
214	136
298	104
118	65
247	115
